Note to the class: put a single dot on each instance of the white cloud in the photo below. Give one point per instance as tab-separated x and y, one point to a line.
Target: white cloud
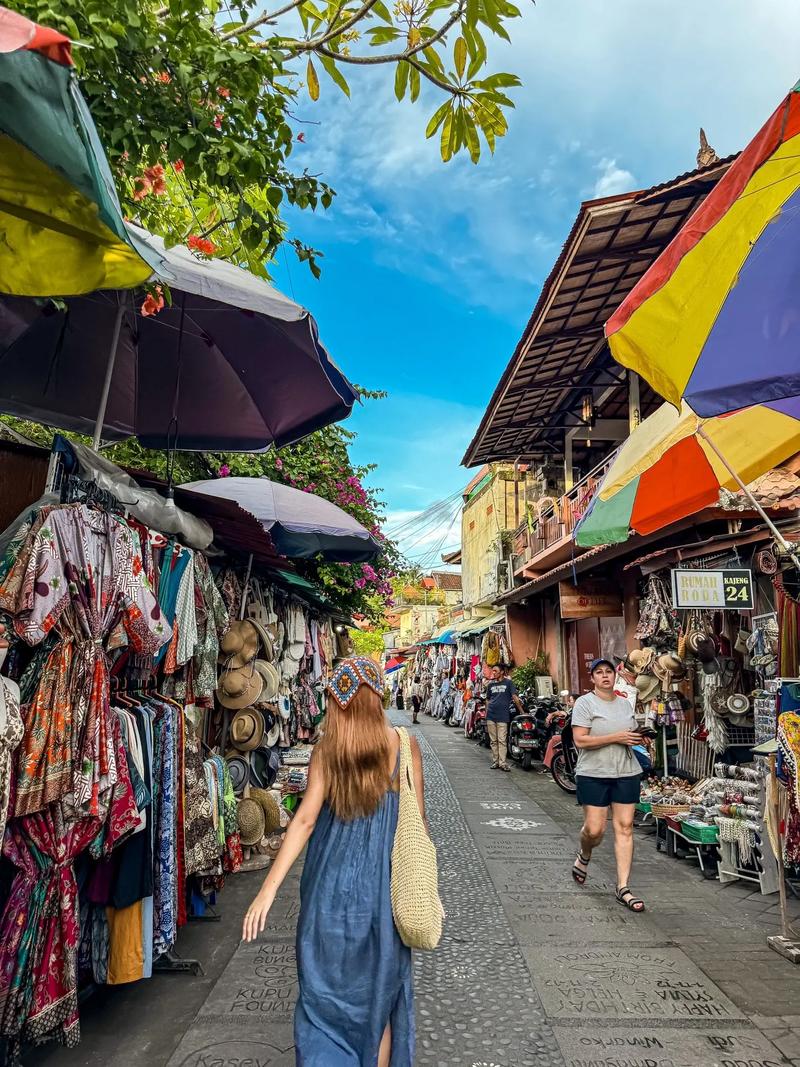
613	179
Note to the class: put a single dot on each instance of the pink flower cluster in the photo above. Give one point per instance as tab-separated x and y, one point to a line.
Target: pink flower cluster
379	580
350	491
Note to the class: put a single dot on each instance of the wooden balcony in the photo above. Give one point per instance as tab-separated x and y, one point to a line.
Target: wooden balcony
545	539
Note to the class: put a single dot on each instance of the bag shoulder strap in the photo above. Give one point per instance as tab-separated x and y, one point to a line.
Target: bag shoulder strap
406	772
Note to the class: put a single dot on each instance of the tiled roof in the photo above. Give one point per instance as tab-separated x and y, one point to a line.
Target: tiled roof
449	580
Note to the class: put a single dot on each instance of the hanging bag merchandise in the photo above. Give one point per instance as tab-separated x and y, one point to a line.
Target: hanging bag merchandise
416	906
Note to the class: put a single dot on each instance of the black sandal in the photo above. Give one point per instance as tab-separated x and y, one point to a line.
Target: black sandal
632	903
578	875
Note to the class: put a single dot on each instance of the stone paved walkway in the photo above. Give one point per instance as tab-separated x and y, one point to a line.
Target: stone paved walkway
532	972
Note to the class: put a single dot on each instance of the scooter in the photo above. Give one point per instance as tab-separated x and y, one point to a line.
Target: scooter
563	756
478	731
525	738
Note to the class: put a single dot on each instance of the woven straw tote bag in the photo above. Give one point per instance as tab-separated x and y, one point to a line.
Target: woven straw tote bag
416	906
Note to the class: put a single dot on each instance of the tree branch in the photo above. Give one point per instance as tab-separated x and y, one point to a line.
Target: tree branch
260	21
334	30
454	90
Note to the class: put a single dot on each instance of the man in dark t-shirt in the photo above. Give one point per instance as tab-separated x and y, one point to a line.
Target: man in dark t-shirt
501	695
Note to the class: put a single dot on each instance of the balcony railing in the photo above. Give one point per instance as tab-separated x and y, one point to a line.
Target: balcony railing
552	520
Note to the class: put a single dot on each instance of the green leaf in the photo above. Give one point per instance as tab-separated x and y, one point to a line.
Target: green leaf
381	10
473	141
477	50
460	56
401	79
435	61
414	83
438	118
501	81
312	81
335	74
383	34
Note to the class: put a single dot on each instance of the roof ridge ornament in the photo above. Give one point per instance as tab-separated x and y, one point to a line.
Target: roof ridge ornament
706	156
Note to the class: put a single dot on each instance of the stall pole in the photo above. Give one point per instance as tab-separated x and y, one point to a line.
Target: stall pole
786	943
245	586
112	359
770	524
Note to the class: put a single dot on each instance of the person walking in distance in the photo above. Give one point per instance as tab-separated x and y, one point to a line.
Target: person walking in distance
501	695
416	698
608	775
355	1005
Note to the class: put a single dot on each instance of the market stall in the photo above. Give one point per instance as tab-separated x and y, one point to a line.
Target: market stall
159	695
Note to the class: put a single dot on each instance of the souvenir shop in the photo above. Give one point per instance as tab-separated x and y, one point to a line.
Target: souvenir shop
157	693
713	683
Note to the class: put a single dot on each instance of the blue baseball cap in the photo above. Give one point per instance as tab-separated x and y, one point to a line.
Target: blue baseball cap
601	662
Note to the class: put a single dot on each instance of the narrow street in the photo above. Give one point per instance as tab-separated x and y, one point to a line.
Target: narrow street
533	971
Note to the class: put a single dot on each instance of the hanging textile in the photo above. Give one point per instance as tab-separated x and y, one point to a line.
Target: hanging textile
788	611
78	572
213	622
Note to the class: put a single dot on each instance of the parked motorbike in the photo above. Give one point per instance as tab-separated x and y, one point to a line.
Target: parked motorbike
527	731
564	756
478	731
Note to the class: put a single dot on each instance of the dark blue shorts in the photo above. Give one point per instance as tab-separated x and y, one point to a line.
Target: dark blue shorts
600	792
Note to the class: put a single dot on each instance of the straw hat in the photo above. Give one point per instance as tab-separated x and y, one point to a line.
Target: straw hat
669	668
647	687
271	679
641	659
271	808
266	639
240	644
247	729
239	688
250	816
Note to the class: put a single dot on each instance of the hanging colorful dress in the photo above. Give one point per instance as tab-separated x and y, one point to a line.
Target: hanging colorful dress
78	572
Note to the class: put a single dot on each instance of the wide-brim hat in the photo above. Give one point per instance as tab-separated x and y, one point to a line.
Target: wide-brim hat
271	680
264	766
669	667
240	644
647	685
274	734
640	659
252	824
239	688
247	729
238	769
704	649
271	809
266	639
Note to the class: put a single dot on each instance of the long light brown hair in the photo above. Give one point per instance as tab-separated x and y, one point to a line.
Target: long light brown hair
354	755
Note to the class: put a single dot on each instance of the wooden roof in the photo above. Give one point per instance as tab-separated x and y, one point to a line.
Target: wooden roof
563	353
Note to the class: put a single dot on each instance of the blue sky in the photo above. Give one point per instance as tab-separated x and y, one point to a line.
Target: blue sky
431	270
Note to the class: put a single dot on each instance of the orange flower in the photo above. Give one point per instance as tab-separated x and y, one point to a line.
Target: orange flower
153	302
201	245
143	185
163	77
218	122
179	166
224	93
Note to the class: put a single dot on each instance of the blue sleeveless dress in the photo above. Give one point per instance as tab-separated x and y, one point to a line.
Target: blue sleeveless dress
354	971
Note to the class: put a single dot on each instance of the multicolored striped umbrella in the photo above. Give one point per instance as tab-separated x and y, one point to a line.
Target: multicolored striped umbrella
716	319
675	464
61	227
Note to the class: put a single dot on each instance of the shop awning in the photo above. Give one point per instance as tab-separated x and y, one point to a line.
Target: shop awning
480	626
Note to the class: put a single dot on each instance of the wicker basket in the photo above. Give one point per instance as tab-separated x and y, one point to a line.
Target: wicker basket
662	810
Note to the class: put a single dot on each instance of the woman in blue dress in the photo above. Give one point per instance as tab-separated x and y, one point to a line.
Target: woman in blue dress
355	1007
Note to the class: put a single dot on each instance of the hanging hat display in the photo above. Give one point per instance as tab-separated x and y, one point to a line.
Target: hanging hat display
669	668
266	639
704	649
274	733
247	729
641	659
264	766
240	688
239	770
271	809
250	816
271	679
239	645
647	686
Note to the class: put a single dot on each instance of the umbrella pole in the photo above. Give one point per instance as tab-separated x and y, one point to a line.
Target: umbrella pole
112	358
770	524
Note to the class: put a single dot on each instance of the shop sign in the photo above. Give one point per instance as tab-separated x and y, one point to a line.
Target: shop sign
725	589
589	600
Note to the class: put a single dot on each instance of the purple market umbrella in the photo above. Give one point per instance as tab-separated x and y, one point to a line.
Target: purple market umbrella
232	365
300	524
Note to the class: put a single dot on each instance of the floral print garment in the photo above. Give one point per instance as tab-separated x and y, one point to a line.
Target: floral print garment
11	731
213	622
79	573
165	770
